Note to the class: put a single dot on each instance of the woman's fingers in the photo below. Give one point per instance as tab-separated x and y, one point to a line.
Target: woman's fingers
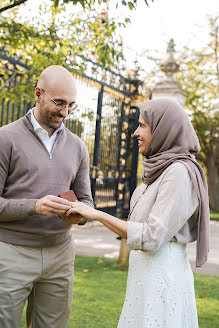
84	210
76	207
70	211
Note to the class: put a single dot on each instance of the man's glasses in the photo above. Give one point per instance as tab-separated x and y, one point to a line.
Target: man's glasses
60	104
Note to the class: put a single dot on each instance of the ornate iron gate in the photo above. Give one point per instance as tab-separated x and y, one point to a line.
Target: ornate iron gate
106	118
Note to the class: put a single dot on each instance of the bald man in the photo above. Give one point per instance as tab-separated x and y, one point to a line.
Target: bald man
39	159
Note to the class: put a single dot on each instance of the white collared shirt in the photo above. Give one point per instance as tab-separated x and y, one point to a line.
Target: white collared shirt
43	134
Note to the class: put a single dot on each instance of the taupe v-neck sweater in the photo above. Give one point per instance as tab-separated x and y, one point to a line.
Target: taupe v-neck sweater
28	172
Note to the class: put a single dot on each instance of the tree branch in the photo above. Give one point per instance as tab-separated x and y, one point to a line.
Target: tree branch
201	158
16	3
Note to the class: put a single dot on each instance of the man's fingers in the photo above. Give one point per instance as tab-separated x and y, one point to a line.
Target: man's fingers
58	200
76	203
57	206
50	211
52	205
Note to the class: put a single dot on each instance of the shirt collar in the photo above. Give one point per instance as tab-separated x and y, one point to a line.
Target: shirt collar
37	126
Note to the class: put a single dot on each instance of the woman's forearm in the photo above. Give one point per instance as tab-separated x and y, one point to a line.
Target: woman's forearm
116	225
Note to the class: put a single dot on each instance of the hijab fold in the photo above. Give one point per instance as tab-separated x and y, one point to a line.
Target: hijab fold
174	140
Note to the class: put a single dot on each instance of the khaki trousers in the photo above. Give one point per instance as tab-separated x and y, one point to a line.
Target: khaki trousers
46	274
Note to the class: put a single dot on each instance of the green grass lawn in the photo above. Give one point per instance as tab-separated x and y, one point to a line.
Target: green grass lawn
99	292
214	215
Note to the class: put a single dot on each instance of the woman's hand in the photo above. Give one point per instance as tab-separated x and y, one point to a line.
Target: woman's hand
72	218
116	225
84	210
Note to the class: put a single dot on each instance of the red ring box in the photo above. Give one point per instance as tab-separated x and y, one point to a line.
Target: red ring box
68	195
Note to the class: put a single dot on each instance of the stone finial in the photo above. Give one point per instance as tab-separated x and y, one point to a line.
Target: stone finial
168	87
168	65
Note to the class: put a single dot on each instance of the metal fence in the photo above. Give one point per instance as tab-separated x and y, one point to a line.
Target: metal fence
105	120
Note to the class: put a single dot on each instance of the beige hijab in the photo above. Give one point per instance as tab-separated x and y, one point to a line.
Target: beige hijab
174	139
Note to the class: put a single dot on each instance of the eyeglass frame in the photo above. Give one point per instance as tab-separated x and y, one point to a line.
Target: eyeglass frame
74	106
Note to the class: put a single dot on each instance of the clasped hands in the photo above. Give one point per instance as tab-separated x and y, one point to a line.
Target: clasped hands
71	212
79	210
50	205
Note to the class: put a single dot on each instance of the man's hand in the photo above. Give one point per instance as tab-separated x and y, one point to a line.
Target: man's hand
50	205
72	218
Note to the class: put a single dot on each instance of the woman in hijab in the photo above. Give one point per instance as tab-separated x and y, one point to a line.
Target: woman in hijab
167	211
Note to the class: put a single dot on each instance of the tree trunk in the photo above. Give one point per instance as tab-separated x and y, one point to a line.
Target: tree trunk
213	182
123	259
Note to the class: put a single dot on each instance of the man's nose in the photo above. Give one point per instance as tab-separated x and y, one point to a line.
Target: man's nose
64	111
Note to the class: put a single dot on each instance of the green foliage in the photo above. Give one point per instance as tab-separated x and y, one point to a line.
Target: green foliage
199	76
132	4
6	5
56	41
99	293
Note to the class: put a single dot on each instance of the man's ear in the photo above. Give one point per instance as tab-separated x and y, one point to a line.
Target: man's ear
37	94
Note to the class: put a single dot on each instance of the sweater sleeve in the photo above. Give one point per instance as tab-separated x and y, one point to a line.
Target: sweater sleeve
11	209
81	183
175	203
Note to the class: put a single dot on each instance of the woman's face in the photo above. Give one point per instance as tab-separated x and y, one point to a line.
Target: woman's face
143	134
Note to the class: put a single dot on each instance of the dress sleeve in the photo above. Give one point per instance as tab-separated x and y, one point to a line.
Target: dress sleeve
175	203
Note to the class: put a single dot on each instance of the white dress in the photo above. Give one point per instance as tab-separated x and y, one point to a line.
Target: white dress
160	290
160	287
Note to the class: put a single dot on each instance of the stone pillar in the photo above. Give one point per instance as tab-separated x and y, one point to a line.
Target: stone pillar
168	87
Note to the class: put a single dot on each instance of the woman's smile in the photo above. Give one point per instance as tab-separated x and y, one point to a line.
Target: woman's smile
143	134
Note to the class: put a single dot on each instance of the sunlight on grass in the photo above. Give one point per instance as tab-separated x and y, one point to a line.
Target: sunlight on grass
214	215
99	292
